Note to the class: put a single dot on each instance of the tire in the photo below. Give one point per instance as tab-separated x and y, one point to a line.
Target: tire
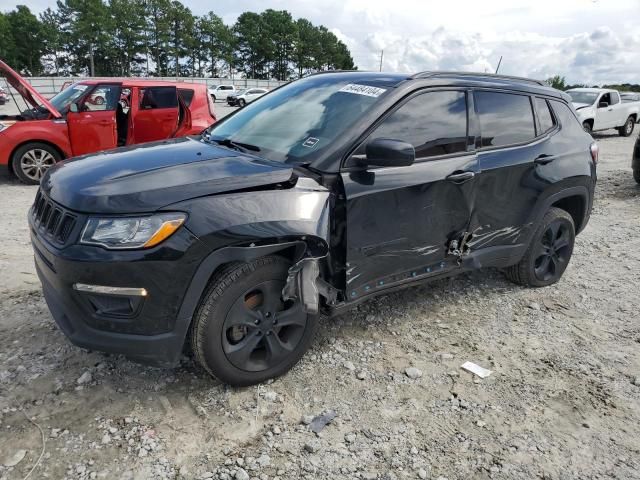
242	102
627	129
213	97
587	127
636	176
237	333
556	230
32	160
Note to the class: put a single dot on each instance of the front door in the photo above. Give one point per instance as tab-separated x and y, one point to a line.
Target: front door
93	127
401	220
605	115
156	116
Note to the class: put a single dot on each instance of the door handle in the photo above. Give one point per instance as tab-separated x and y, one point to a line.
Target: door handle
544	159
460	177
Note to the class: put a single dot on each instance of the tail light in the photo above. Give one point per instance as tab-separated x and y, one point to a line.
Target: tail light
595	150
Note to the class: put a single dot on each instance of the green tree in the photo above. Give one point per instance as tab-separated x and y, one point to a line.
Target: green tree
157	34
27	39
52	38
181	23
7	45
556	82
280	37
252	51
126	35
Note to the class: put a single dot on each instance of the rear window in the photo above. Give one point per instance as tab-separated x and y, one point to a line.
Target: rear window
158	97
544	115
186	95
505	118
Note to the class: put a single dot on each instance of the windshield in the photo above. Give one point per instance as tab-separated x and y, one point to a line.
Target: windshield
67	96
295	123
583	97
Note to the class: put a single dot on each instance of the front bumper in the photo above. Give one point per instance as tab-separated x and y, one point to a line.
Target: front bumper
153	331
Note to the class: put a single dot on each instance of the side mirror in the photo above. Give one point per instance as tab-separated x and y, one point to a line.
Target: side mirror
386	152
74	108
603	105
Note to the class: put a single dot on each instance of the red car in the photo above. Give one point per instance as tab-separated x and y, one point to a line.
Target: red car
74	122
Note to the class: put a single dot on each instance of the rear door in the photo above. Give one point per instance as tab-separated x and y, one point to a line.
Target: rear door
513	152
401	220
157	115
93	126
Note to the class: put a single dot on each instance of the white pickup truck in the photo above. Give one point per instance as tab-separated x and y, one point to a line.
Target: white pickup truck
601	109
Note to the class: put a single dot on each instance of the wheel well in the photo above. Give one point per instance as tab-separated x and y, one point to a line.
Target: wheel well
52	145
634	116
574	206
589	121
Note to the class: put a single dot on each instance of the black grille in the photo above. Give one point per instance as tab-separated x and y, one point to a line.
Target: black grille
51	219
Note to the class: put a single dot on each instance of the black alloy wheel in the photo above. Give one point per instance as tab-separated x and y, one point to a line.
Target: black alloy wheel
243	332
260	330
554	251
548	253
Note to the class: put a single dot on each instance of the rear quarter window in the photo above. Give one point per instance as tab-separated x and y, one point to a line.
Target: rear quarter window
544	115
186	94
505	118
568	121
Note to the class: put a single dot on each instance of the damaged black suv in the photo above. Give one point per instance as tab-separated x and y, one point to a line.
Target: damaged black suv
323	193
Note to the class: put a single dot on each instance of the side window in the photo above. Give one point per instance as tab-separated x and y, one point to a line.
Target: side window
435	123
605	98
101	98
567	119
505	118
158	97
544	115
186	94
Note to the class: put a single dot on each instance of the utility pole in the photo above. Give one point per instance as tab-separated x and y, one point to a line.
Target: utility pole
381	57
499	62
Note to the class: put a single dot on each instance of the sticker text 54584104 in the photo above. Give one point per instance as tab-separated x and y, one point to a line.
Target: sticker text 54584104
367	90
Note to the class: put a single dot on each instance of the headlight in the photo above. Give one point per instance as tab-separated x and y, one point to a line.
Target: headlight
131	232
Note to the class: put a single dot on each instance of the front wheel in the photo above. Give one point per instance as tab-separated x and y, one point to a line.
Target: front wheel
587	127
243	332
627	128
549	252
31	161
636	176
242	102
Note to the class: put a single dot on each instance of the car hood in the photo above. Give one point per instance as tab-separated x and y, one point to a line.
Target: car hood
144	178
24	88
577	106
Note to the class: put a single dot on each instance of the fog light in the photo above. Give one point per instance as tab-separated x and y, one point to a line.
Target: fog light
125	291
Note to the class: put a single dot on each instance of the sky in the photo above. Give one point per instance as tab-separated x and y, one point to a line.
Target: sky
586	41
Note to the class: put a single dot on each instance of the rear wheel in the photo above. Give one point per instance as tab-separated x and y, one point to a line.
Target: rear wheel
636	176
31	161
243	332
627	128
549	252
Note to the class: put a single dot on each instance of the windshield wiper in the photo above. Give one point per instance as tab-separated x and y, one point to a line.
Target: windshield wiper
240	146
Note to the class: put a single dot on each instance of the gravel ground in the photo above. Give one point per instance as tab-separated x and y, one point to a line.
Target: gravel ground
563	401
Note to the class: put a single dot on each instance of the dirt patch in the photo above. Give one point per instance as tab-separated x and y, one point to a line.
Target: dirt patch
563	401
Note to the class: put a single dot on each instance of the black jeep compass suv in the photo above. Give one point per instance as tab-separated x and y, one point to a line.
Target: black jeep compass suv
319	195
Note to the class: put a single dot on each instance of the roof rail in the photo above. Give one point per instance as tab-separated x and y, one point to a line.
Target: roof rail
430	74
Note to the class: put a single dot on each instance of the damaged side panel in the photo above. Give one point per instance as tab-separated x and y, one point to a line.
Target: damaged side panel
273	217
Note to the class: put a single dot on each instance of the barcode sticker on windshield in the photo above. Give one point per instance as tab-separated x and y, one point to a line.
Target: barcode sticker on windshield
367	90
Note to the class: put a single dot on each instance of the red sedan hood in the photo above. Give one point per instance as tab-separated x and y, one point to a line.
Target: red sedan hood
25	89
